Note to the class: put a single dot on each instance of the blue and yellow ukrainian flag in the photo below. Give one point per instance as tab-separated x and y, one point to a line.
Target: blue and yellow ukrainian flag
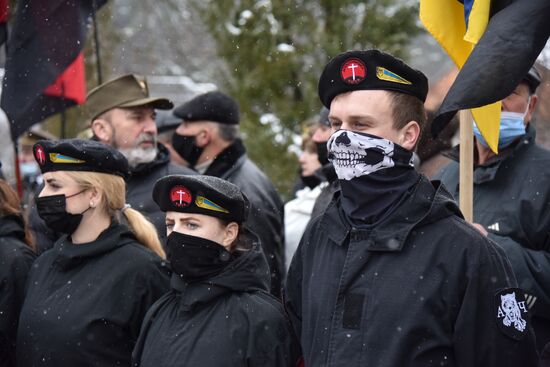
457	26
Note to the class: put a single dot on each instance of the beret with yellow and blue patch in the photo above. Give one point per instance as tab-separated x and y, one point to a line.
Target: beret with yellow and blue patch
369	70
79	155
201	194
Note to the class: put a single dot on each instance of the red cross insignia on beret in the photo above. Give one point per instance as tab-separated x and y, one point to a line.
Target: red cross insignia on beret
180	196
353	71
40	155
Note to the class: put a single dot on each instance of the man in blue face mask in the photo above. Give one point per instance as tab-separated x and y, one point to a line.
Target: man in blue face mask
390	274
512	197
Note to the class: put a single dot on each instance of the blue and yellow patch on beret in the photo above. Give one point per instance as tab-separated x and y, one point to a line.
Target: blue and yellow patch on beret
79	155
369	70
200	194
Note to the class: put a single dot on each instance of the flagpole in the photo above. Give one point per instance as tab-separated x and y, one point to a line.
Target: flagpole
18	179
466	165
96	42
63	116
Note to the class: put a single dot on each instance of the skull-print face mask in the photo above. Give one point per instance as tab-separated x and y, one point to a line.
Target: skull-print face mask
374	175
358	154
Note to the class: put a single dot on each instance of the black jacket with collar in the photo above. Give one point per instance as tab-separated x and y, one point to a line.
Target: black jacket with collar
15	262
228	320
417	289
266	208
85	303
328	174
512	201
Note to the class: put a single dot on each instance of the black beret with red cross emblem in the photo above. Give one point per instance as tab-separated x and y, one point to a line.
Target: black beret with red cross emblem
368	70
201	194
79	155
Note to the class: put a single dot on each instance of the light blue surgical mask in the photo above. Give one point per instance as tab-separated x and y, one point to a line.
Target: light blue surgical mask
29	169
512	126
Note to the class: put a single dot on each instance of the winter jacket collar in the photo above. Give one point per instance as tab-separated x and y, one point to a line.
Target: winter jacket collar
487	171
227	160
327	173
69	255
249	272
162	158
428	202
12	226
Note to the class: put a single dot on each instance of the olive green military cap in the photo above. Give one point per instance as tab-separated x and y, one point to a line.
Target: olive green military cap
123	92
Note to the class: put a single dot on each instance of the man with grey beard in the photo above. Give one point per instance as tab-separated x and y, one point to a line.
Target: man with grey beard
122	115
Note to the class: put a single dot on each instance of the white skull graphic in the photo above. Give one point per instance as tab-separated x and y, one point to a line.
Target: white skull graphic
354	155
511	310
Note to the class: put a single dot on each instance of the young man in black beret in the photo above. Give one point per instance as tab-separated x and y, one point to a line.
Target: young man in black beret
512	191
208	138
391	275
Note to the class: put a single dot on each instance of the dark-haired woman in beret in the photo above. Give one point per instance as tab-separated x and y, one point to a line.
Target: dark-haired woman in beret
87	296
219	311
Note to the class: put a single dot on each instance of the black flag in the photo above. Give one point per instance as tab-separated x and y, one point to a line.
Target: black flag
48	37
515	36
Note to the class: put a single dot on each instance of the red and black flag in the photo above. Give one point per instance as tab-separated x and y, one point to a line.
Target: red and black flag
3	21
515	35
44	66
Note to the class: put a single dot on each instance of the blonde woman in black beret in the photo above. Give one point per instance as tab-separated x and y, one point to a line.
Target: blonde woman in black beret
219	311
87	297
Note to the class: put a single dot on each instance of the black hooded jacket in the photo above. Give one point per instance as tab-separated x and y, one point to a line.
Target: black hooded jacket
85	303
15	262
228	320
328	174
512	202
419	288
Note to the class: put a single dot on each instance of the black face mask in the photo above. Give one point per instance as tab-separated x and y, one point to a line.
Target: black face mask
187	148
322	153
196	258
53	210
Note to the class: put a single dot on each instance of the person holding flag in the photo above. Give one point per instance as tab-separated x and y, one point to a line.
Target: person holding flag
512	197
495	44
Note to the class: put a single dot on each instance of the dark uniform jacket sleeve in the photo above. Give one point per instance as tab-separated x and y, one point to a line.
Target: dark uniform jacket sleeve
265	217
478	339
516	213
152	286
144	330
15	262
534	268
292	295
12	284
